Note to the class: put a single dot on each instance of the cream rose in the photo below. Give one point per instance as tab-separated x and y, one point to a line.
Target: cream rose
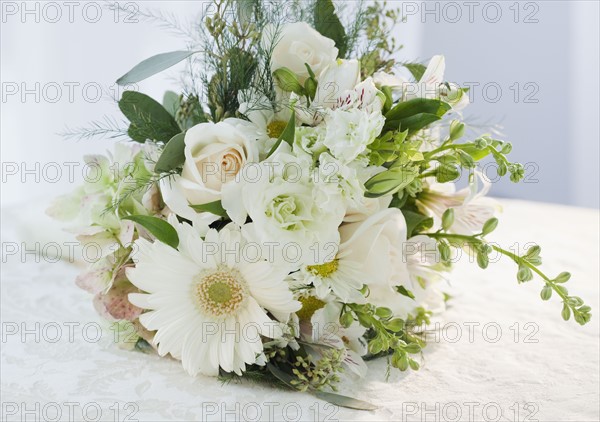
214	154
390	260
297	44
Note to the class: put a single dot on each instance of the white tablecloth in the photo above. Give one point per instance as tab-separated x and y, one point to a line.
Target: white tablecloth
502	353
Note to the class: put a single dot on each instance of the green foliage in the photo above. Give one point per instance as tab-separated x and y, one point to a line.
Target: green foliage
288	135
328	24
153	65
416	70
148	119
215	208
173	155
388	335
415	114
160	229
527	266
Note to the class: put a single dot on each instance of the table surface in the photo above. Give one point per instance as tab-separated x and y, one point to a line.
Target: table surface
500	352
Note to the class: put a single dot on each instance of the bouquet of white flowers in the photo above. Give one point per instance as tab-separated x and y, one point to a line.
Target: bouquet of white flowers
293	211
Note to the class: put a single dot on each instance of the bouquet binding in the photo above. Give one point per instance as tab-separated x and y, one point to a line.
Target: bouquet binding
292	213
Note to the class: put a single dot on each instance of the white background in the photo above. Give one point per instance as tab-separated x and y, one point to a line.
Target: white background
550	44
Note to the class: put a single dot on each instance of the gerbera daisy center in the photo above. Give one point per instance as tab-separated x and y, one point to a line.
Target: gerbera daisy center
221	292
324	270
276	128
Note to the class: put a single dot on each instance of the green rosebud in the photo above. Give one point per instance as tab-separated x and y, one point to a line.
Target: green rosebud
524	274
563	277
483	260
489	226
448	219
288	81
446	173
457	130
546	292
506	148
444	251
566	312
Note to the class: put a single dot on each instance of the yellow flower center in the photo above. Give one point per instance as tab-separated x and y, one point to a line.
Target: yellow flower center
276	128
220	292
324	270
310	305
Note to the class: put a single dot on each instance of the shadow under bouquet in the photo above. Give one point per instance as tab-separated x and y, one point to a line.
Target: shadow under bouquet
292	212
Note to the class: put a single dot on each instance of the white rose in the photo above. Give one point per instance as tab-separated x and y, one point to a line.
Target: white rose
214	154
389	260
287	206
297	44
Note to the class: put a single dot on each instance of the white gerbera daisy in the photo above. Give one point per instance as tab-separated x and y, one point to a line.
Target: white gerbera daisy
341	277
208	304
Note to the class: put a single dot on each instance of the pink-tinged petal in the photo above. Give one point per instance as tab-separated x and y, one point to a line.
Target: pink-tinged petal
115	304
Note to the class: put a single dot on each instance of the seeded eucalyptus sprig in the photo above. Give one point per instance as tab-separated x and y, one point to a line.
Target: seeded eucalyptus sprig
528	265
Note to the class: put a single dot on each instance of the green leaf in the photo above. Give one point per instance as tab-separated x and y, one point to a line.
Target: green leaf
153	65
416	70
416	222
171	102
160	229
344	401
215	208
284	377
288	135
414	123
329	25
404	292
416	106
173	154
149	119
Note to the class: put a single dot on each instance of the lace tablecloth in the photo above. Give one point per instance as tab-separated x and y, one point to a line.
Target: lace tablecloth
500	352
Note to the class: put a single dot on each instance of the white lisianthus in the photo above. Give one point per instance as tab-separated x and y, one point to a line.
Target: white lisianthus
297	44
214	154
207	304
349	132
308	143
287	206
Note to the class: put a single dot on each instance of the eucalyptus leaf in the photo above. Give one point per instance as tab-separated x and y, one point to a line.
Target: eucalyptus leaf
171	102
153	65
160	229
173	155
345	401
148	118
